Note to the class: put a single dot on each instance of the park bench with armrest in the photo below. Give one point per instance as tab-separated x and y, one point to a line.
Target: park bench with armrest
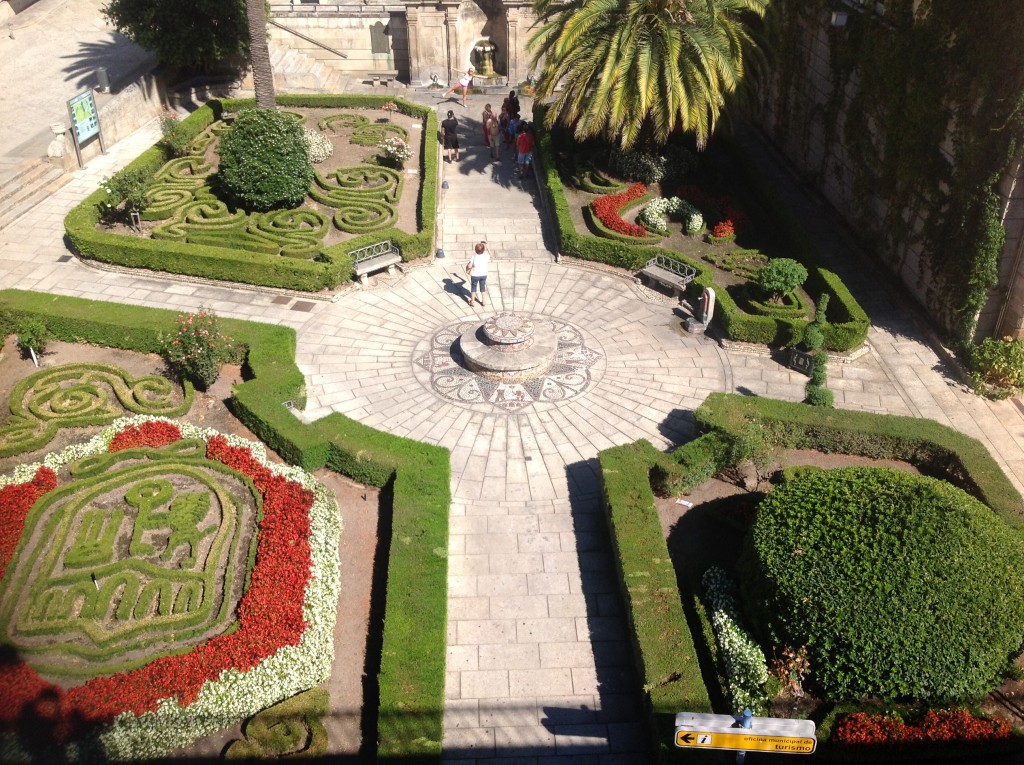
673	274
374	257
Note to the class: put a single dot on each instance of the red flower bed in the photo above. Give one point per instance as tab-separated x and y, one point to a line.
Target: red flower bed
721	207
607	208
154	433
723	229
269	614
935	726
16	499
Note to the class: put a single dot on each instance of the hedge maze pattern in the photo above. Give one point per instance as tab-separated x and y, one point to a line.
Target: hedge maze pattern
293	728
143	553
181	196
364	196
81	395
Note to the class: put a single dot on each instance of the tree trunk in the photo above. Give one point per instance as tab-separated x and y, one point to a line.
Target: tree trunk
259	54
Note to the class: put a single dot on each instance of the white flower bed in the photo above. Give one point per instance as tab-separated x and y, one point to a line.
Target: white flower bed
320	146
746	671
234	695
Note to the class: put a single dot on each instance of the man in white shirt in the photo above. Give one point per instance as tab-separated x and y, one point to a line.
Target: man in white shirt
477	268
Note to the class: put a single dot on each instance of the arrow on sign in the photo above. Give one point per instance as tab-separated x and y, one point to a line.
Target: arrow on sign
687	738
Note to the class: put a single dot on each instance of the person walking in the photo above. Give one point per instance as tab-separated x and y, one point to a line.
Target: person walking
450	133
524	151
484	119
465	82
477	270
494	137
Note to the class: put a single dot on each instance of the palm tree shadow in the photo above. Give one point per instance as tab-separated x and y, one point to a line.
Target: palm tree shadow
118	55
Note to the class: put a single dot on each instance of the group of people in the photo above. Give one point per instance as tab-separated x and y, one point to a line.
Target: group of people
505	129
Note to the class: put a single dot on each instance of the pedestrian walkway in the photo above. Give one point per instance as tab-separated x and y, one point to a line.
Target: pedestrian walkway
538	661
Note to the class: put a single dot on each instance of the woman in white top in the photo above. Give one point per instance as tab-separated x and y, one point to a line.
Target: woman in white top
465	82
477	268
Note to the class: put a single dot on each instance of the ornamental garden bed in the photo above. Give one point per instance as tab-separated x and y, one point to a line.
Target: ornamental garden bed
87	662
707	214
696	575
190	226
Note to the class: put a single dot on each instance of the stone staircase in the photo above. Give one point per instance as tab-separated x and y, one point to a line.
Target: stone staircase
34	181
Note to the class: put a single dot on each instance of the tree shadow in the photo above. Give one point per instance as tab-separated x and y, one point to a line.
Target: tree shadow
119	56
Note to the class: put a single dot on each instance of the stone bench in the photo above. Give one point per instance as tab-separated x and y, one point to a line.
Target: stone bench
374	257
671	273
387	76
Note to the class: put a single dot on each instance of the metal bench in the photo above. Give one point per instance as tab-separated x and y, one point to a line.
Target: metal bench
387	75
374	257
672	273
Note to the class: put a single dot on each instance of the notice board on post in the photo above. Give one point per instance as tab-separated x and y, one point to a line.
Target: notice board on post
85	122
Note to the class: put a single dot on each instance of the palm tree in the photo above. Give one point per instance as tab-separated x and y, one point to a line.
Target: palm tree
634	70
259	54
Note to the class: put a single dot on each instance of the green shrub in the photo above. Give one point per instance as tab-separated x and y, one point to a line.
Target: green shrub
814	337
176	137
197	349
819	367
818	395
997	367
780	277
796	471
128	186
901	586
264	161
32	334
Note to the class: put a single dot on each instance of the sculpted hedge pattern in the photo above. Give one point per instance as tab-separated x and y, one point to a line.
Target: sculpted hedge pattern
79	395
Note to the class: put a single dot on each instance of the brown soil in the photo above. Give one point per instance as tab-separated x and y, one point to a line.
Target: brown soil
707	526
358	506
346	154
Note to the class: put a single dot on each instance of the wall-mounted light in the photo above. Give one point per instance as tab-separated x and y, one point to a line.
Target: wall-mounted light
444	185
438	253
838	18
433	78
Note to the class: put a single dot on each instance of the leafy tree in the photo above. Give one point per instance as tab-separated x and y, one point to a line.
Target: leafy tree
191	35
900	585
780	276
264	161
639	70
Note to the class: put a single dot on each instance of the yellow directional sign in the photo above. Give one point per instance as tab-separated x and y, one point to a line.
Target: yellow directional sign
747	741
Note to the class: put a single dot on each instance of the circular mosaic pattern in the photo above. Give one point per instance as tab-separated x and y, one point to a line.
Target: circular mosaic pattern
577	366
508	328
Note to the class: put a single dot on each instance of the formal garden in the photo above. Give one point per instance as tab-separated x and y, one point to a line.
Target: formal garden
277	198
161	580
856	569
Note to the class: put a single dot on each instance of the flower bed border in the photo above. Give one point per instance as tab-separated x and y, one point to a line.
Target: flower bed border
414	505
160	723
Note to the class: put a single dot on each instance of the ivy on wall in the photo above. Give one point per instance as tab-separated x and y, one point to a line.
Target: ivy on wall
928	103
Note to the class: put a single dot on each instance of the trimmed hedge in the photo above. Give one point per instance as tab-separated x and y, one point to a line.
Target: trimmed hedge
848	323
733	426
331	267
416	478
935	449
664	651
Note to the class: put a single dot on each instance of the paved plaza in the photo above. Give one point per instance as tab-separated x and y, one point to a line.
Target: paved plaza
538	665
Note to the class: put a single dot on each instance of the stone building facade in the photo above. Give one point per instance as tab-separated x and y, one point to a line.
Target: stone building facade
416	39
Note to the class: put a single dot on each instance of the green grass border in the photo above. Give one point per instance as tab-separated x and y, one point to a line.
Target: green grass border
667	641
416	478
226	264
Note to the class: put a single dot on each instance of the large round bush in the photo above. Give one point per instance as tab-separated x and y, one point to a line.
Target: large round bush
901	586
264	161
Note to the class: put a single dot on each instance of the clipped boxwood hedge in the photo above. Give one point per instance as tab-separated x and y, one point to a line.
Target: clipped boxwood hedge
332	266
848	324
416	478
654	605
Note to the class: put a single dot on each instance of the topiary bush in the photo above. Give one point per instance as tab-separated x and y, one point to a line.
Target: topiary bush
902	586
780	277
264	161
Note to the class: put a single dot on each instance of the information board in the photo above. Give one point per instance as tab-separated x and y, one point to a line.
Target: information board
85	120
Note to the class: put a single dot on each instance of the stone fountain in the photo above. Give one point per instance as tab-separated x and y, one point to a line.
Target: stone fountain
509	347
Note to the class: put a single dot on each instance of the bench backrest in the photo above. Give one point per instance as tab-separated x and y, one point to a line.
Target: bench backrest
675	266
372	251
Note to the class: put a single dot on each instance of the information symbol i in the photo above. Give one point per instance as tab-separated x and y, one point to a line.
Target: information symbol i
704	739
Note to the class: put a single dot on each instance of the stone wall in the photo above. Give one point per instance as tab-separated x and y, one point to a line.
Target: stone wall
809	117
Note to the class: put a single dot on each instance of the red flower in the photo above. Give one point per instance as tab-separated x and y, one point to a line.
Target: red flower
269	613
723	229
942	726
607	208
155	433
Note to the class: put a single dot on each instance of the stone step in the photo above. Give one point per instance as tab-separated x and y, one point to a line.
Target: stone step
37	182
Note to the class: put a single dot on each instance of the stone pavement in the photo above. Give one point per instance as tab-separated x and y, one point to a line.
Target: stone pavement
537	657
